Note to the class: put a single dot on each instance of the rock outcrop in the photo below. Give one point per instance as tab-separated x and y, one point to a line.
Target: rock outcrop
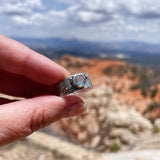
40	146
133	85
106	125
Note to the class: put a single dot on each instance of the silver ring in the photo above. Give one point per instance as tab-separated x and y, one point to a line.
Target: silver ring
74	84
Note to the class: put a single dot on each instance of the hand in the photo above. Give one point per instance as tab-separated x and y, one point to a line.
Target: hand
25	73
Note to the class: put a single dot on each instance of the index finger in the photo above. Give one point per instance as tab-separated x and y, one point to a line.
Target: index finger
19	59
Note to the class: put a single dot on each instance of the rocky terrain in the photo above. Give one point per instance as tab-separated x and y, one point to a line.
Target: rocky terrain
121	117
132	85
107	126
116	117
40	146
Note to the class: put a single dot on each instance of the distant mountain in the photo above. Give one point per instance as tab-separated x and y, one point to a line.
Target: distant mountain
57	46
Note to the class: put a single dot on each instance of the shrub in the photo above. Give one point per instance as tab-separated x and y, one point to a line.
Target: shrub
144	92
156	129
152	106
135	86
76	65
115	147
107	71
134	70
154	92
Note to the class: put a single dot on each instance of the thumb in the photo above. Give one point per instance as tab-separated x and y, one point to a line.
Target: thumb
21	118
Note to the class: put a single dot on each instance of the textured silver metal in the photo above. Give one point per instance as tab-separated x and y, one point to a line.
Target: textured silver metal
69	86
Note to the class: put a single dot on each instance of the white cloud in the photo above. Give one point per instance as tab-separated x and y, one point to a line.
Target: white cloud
33	4
64	1
15	7
22	21
85	19
88	17
34	19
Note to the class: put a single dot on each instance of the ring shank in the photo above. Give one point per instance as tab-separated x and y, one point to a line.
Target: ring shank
67	86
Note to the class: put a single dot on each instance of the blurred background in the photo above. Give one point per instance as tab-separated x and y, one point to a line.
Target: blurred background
118	43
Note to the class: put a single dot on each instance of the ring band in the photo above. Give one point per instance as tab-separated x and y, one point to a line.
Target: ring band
74	84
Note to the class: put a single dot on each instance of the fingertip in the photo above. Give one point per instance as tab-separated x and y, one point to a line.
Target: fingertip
73	110
77	110
72	99
66	73
21	118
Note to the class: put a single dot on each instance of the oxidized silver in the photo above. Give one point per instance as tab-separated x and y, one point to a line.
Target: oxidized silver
74	84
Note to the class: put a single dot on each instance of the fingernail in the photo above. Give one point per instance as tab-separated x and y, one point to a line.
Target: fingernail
86	109
77	109
74	110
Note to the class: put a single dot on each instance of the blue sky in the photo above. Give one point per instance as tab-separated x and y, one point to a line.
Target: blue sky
91	20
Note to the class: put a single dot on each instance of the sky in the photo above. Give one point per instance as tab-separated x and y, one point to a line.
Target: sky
89	20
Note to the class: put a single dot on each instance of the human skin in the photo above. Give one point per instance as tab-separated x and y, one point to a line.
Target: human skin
25	73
